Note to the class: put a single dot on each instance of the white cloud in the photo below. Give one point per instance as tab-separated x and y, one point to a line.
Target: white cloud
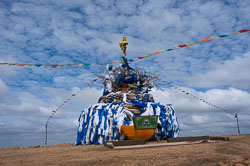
199	119
232	99
3	89
233	72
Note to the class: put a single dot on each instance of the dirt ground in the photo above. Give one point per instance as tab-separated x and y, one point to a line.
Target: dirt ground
233	152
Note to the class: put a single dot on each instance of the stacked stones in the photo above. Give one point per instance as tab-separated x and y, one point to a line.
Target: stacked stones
124	84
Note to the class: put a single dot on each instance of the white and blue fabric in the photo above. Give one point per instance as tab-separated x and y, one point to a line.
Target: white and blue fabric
101	122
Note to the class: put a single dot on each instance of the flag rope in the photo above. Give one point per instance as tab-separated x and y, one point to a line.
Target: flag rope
66	101
198	98
129	60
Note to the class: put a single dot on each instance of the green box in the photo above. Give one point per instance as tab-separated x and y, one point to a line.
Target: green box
145	122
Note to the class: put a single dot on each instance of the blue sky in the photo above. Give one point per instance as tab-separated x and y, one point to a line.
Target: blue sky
60	31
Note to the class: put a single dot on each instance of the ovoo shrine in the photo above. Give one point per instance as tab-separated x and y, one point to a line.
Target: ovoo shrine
126	110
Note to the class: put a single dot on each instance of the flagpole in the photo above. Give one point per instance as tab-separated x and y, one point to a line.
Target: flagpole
46	136
238	126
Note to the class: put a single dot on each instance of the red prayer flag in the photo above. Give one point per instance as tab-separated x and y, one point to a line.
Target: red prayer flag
21	64
156	52
184	45
243	30
53	66
140	57
74	63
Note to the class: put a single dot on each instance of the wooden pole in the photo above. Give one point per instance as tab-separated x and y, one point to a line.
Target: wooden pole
125	52
238	126
46	137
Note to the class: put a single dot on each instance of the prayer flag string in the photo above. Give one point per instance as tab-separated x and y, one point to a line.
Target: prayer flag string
163	81
68	100
196	97
129	60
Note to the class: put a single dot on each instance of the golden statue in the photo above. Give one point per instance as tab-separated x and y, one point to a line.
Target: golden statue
123	44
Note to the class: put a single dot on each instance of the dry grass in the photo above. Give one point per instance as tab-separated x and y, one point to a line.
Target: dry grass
233	152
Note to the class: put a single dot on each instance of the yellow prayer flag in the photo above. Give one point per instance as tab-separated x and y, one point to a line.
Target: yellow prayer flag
214	37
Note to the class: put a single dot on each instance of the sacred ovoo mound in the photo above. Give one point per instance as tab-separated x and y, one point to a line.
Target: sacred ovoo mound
125	95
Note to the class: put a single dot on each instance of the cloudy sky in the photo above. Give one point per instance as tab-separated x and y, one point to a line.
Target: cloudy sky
60	31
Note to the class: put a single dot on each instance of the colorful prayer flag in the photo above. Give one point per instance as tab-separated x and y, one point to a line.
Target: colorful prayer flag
206	40
184	45
156	52
244	30
53	66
